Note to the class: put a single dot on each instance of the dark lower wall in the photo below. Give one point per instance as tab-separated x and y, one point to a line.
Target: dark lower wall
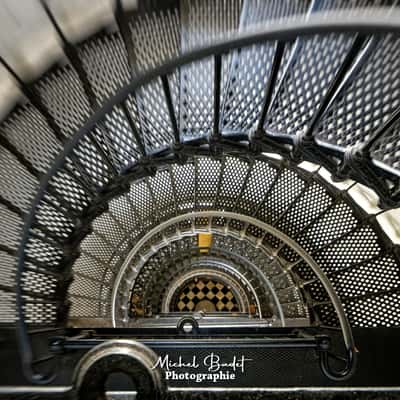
379	355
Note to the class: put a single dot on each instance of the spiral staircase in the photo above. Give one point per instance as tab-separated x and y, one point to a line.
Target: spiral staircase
192	177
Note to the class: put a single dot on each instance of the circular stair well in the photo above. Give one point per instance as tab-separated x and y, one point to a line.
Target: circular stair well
188	177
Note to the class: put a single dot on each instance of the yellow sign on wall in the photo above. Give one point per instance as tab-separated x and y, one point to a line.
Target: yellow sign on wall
204	241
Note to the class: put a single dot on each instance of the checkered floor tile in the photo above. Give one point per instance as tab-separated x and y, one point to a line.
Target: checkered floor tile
208	295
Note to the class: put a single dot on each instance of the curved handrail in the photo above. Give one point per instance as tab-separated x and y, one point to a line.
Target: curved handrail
344	373
372	22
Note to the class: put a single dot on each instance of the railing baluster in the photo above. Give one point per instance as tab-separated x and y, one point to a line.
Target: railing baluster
136	134
267	101
217	95
171	111
123	26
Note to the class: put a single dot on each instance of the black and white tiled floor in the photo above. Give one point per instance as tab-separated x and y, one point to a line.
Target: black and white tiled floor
208	295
